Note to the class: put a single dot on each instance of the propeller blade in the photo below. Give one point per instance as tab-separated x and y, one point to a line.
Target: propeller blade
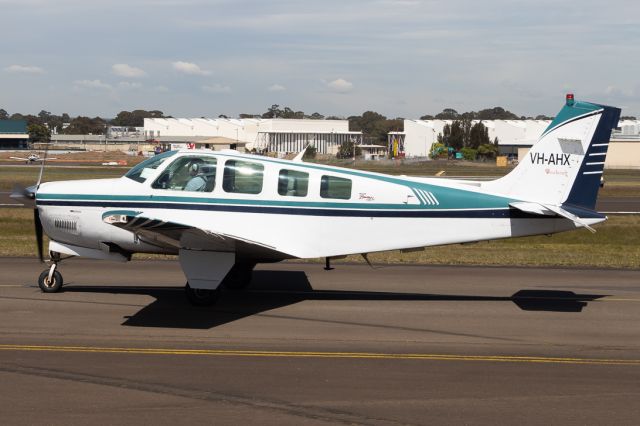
38	229
46	151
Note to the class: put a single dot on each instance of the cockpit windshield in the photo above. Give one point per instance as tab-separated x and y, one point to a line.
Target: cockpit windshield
142	171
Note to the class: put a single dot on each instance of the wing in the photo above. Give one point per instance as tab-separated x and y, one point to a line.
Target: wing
19	158
172	235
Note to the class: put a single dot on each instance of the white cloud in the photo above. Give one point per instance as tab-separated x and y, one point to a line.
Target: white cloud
340	85
24	69
216	88
127	85
276	88
125	70
92	84
161	89
189	68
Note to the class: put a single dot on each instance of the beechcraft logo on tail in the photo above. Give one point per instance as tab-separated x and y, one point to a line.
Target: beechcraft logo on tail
549	159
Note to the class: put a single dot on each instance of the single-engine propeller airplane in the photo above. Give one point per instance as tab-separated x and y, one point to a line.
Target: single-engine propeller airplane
222	212
31	158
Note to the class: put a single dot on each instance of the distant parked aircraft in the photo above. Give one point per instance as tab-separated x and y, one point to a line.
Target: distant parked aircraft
31	158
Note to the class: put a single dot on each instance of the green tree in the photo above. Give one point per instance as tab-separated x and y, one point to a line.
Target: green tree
346	150
495	113
135	118
310	153
273	112
448	114
488	150
453	135
86	126
478	135
374	126
468	153
4	115
38	133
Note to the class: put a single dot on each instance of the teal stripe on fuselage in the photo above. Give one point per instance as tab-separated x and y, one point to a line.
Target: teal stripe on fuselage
480	201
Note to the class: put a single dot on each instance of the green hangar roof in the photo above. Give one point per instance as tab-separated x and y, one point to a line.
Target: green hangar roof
13	126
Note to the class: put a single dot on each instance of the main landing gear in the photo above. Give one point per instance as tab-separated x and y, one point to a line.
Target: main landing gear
237	279
50	280
202	297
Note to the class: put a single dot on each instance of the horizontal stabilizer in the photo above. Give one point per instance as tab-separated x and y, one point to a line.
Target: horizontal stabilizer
533	208
549	210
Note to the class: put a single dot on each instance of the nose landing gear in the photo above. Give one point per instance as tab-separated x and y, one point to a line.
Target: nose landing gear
50	280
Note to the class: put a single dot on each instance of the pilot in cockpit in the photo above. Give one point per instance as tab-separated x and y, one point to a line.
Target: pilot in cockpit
198	181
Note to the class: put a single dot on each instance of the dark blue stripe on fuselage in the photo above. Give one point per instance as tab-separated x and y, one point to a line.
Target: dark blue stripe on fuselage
474	214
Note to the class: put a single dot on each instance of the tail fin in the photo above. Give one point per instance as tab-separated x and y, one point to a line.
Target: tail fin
565	166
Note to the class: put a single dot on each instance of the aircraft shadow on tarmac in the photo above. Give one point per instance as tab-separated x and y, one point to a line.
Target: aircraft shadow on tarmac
275	289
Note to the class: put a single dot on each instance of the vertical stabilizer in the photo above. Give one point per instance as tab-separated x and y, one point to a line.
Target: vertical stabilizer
565	166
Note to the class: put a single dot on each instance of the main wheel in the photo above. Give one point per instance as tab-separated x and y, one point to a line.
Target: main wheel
239	277
200	296
52	285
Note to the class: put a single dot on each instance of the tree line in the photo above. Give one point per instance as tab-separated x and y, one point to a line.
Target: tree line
41	126
373	125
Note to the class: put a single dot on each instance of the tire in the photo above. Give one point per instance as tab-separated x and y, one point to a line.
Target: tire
50	287
201	297
239	277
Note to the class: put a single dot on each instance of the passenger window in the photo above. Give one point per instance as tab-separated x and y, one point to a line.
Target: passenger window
335	187
194	174
243	177
293	183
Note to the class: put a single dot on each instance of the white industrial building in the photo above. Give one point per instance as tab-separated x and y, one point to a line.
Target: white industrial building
515	137
274	135
419	135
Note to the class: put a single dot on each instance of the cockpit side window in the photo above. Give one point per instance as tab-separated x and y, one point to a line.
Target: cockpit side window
142	171
189	173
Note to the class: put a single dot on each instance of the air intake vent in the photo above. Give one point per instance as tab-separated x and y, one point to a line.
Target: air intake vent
69	225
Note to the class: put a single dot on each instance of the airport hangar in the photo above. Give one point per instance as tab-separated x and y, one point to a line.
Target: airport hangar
283	136
13	134
277	135
515	138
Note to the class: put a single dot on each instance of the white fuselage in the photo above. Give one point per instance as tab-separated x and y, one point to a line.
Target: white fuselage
382	212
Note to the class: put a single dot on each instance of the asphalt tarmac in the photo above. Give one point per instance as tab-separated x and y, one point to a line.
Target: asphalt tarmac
394	345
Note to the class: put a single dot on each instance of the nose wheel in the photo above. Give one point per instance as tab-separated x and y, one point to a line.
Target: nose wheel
50	280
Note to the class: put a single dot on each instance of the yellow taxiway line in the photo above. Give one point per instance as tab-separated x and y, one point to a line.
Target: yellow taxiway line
292	354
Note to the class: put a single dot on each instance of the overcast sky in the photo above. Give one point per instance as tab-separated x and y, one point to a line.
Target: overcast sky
402	58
